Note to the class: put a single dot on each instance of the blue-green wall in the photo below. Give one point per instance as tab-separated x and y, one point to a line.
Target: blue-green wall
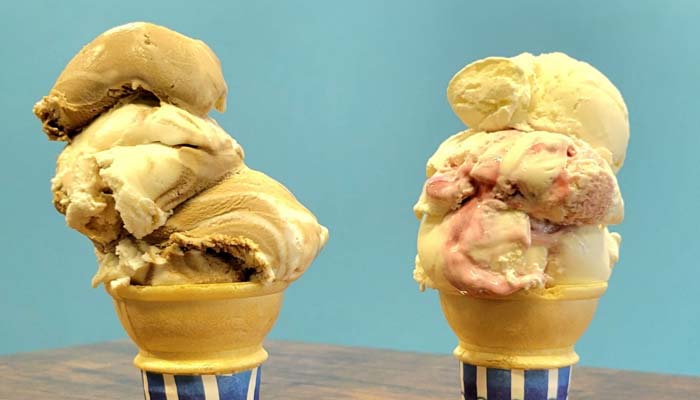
343	102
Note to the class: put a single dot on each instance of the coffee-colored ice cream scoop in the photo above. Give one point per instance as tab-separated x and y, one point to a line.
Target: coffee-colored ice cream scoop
129	60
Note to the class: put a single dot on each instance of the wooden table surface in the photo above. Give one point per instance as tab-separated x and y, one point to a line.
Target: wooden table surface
304	371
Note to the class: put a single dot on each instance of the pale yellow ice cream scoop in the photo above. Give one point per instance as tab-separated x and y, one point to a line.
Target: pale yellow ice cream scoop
550	92
127	60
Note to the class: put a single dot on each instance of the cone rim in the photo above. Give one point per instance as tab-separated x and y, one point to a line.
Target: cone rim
196	292
590	290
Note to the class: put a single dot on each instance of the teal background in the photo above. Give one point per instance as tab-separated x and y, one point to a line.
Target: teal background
343	102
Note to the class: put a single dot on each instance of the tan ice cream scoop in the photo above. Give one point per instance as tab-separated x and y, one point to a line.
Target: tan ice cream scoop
132	59
253	218
247	227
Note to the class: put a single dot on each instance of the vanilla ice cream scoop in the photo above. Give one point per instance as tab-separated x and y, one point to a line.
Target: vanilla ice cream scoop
550	92
134	164
252	217
129	60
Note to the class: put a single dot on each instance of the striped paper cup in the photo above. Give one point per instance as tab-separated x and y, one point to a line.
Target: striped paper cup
239	386
483	383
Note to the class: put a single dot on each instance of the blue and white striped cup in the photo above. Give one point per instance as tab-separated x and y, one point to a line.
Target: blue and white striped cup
240	386
482	383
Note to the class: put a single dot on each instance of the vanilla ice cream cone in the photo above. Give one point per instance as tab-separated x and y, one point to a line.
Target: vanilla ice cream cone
514	216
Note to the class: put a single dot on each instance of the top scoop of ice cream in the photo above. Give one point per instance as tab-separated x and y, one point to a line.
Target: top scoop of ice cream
128	60
550	92
157	185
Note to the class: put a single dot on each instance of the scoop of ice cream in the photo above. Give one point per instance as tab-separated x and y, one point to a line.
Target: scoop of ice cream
127	60
547	175
489	247
549	92
247	226
584	254
134	164
254	218
498	261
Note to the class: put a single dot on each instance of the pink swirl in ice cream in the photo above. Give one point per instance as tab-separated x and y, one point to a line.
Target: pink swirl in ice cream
474	226
497	183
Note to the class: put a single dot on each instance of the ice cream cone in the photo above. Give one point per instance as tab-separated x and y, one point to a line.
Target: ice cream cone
189	335
165	196
526	334
518	202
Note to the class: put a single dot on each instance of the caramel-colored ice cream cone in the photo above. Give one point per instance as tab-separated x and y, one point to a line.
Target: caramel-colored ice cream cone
195	248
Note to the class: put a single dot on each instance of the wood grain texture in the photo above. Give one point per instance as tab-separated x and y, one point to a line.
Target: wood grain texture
297	371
